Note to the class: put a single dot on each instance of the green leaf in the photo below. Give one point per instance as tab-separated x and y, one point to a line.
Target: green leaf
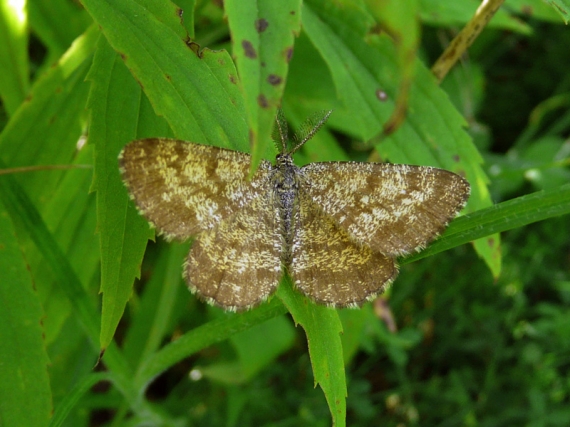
399	18
447	13
204	336
323	328
353	324
70	401
256	348
505	216
54	106
25	395
562	7
70	215
260	345
263	37
151	318
537	9
179	83
328	29
19	206
117	111
432	133
57	23
14	83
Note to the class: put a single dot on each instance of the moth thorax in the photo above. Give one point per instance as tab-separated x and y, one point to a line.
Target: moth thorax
286	178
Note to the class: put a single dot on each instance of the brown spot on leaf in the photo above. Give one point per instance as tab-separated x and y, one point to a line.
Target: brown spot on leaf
248	49
262	101
381	95
390	128
261	25
140	83
274	79
491	242
233	79
288	54
376	29
456	158
194	47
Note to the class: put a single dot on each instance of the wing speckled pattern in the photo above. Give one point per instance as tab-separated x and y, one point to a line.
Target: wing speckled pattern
394	209
328	266
237	264
335	227
183	188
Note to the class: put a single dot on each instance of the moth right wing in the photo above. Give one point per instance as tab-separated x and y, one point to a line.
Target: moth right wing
331	268
394	209
184	188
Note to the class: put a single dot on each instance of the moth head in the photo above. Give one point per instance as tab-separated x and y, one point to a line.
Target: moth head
306	131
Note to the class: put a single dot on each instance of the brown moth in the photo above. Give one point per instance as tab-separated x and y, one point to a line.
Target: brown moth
334	227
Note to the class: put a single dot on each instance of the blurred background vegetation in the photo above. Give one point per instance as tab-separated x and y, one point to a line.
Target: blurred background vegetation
448	345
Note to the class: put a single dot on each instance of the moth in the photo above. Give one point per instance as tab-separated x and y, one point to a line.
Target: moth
336	228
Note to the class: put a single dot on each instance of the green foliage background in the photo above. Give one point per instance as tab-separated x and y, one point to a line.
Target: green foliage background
476	335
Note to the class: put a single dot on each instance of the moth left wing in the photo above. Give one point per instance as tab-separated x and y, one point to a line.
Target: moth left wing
184	188
237	264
